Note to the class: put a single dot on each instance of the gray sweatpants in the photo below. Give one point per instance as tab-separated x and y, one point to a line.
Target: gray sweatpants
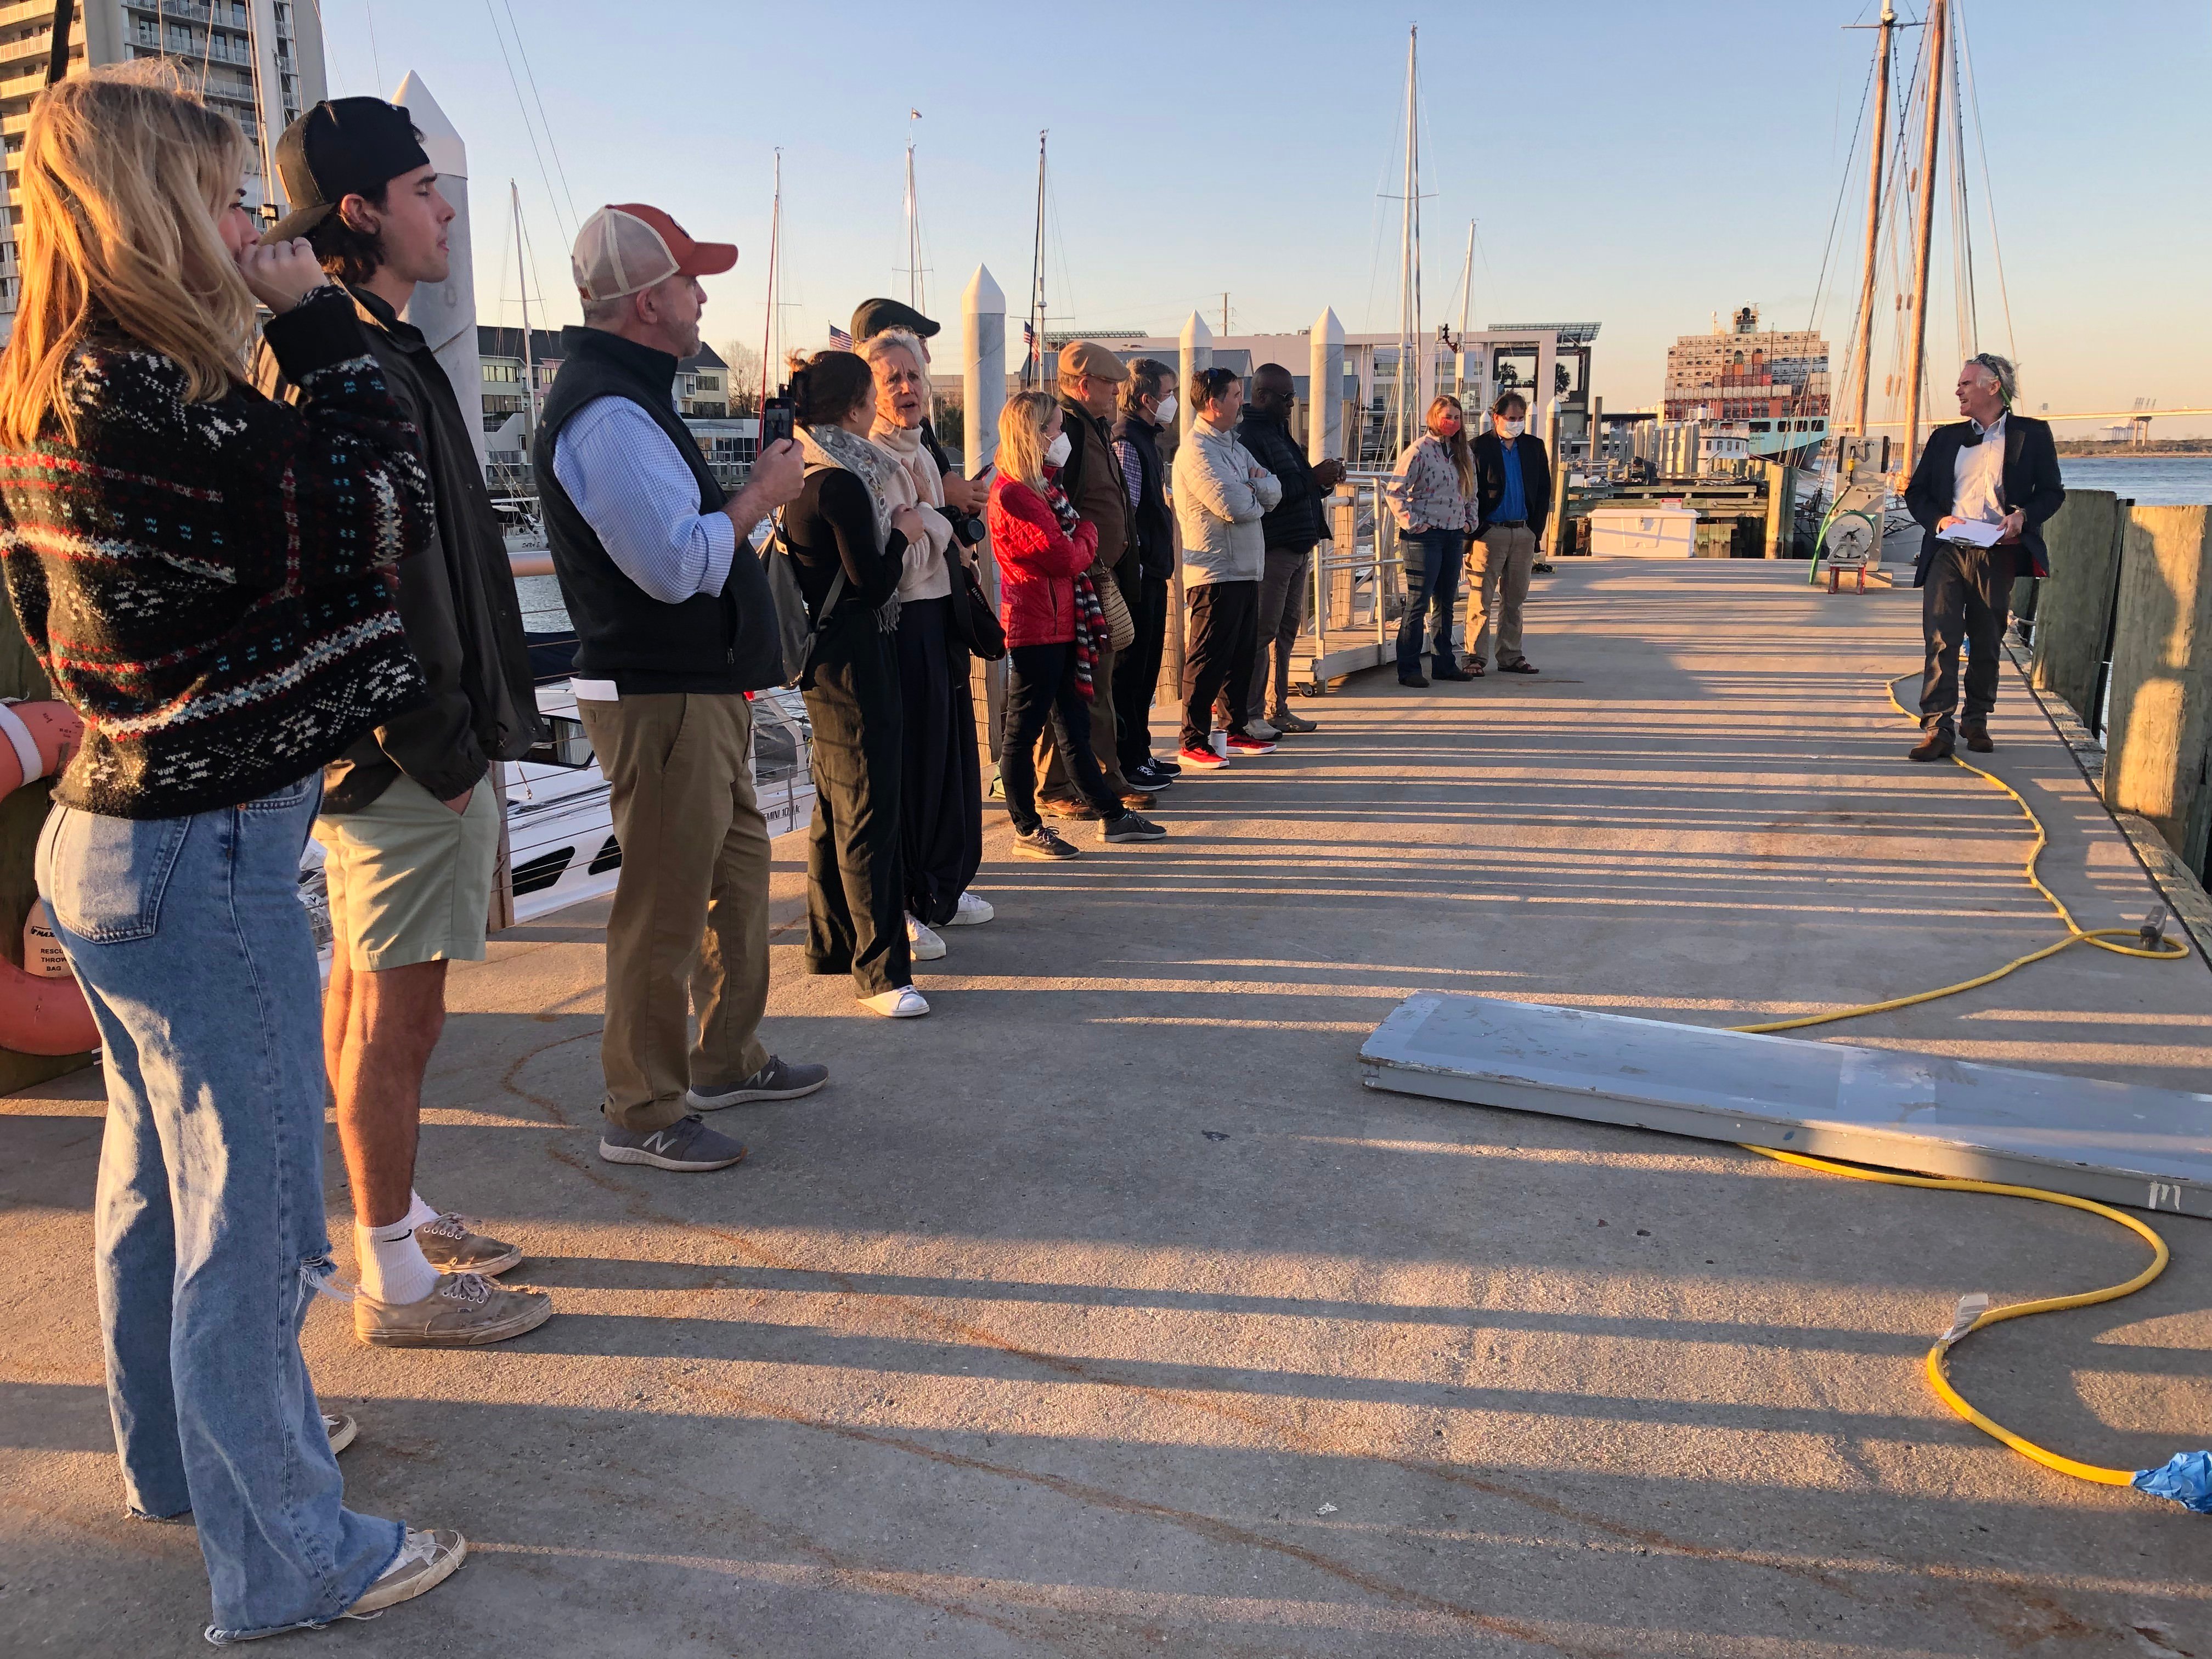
1283	596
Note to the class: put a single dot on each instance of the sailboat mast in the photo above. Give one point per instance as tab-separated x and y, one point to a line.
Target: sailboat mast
1863	350
1466	285
916	292
1034	363
529	361
1409	302
1923	231
768	327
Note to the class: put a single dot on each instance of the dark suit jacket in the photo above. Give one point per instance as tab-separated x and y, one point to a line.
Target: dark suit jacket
2030	483
1536	477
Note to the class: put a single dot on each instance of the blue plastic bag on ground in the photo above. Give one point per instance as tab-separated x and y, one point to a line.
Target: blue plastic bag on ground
2186	1478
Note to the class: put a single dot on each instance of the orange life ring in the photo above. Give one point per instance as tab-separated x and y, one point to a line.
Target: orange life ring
39	1016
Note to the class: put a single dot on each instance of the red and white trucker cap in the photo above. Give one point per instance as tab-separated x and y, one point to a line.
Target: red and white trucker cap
627	248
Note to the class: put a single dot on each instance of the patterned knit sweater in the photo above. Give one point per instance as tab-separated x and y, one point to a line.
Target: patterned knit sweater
200	581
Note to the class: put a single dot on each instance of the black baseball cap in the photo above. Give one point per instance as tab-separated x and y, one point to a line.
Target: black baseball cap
343	146
871	317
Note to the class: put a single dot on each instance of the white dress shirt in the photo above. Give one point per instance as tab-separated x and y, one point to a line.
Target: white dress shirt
636	491
1978	476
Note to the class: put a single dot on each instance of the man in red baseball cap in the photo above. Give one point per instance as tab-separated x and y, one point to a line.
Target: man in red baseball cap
675	623
630	250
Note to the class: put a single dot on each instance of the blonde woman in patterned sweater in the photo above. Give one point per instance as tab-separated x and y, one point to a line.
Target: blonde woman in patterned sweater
203	576
1433	499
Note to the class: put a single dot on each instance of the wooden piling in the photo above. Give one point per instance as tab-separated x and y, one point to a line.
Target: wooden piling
2073	602
2160	739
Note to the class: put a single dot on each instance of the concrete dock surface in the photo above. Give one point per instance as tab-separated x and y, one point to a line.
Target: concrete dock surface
1104	1312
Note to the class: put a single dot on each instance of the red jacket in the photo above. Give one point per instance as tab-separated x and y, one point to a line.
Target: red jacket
1038	563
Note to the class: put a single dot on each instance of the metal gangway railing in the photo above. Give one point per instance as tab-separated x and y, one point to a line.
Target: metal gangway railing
1358	589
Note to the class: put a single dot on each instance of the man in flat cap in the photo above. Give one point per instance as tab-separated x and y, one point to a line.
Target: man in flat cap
965	496
675	622
410	821
1091	377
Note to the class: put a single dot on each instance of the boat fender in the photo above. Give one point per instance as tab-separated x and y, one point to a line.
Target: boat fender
42	1008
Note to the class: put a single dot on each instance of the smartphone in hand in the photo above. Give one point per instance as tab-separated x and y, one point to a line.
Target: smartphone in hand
776	421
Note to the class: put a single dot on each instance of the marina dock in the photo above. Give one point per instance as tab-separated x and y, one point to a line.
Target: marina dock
1105	1311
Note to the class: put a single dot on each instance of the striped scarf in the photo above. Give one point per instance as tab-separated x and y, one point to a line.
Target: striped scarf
1089	615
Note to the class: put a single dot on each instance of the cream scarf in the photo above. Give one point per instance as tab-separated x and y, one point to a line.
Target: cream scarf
825	448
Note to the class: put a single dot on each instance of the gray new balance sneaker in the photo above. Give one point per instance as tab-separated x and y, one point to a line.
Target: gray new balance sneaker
686	1144
779	1080
451	1246
466	1311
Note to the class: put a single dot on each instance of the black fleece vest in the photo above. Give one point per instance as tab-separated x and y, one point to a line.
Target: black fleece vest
721	642
1151	528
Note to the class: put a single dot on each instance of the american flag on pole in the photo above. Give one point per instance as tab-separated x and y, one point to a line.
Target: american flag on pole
839	339
1028	334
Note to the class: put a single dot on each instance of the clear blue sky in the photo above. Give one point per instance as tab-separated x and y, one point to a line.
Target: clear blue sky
1641	165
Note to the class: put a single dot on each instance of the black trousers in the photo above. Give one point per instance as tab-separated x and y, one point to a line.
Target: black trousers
1137	676
940	782
1967	596
1041	689
1220	643
1432	559
855	881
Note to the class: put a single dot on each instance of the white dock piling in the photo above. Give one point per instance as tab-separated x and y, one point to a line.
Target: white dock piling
1197	353
447	311
1325	391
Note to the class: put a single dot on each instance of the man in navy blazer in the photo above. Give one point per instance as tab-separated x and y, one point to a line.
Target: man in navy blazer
1995	468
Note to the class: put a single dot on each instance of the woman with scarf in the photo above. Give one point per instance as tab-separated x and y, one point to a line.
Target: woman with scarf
853	545
941	791
1054	626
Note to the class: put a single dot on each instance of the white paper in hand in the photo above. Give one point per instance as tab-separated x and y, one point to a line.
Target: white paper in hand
1971	533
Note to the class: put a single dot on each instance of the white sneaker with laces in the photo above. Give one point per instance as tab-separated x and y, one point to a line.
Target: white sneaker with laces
341	1428
427	1558
973	912
904	1003
922	943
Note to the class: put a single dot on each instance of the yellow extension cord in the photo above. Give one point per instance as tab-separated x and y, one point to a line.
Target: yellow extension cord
1938	1356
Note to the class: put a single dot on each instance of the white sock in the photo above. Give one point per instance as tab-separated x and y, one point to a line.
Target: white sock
418	1212
390	1264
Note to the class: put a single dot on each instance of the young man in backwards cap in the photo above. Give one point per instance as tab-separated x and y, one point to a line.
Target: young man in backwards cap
410	824
674	625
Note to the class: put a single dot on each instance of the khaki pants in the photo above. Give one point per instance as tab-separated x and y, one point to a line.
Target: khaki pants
1498	563
1055	784
689	928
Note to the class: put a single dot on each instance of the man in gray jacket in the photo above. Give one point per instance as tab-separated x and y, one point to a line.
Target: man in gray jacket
1221	494
411	825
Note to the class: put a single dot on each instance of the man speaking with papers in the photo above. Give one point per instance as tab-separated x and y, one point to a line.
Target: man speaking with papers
1981	492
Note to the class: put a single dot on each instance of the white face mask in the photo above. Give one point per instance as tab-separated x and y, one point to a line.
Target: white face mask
1514	428
1055	453
1165	414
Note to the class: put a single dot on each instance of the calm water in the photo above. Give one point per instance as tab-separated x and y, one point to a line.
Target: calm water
2151	480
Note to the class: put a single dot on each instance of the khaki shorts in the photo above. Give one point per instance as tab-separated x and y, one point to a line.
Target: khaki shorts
410	878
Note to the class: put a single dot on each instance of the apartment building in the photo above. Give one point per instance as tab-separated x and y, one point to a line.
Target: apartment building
260	62
1743	372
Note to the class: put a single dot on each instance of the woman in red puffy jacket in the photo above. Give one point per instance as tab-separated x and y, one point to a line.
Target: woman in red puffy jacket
1055	628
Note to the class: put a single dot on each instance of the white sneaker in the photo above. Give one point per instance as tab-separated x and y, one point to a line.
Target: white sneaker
922	943
973	912
341	1428
426	1557
905	1003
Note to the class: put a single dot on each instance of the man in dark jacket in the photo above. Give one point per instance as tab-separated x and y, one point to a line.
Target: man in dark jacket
1994	467
1513	496
411	818
1291	528
1148	400
1091	377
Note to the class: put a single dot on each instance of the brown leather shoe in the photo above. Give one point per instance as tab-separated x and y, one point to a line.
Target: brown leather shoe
1052	807
1977	739
1136	800
1934	746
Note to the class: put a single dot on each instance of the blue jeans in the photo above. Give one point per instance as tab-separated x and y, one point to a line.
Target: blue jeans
1432	583
194	953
